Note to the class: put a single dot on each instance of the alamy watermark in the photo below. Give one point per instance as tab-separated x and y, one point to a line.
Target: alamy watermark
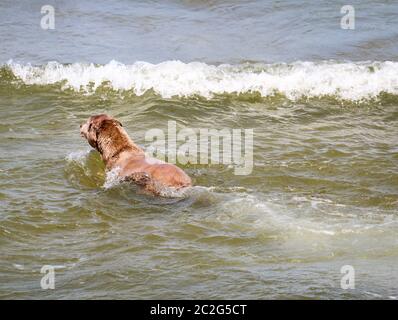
48	20
48	280
231	147
347	22
348	280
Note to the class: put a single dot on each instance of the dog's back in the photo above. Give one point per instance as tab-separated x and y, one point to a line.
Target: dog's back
119	151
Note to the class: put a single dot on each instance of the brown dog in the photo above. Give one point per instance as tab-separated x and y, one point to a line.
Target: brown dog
107	135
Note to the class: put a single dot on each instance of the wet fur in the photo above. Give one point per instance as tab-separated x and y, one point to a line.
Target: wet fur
117	150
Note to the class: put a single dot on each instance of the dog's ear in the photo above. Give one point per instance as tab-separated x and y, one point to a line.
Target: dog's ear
118	123
108	122
96	127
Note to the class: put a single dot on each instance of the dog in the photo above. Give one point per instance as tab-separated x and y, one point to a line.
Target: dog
118	151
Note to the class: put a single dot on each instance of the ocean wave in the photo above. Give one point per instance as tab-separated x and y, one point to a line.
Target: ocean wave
342	80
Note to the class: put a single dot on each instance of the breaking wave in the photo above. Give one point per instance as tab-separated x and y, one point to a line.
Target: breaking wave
342	80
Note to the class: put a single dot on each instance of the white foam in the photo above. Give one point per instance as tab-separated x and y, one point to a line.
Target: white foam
280	215
112	178
348	81
78	156
18	266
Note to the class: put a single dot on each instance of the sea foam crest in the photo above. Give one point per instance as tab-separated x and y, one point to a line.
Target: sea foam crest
348	81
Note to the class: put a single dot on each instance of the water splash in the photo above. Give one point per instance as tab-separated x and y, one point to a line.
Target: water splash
112	178
78	156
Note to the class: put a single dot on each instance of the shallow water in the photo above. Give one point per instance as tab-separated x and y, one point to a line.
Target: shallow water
323	192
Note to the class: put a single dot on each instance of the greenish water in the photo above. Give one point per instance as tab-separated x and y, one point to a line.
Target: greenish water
323	193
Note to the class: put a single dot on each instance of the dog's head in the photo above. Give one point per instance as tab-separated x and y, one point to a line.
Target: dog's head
92	127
